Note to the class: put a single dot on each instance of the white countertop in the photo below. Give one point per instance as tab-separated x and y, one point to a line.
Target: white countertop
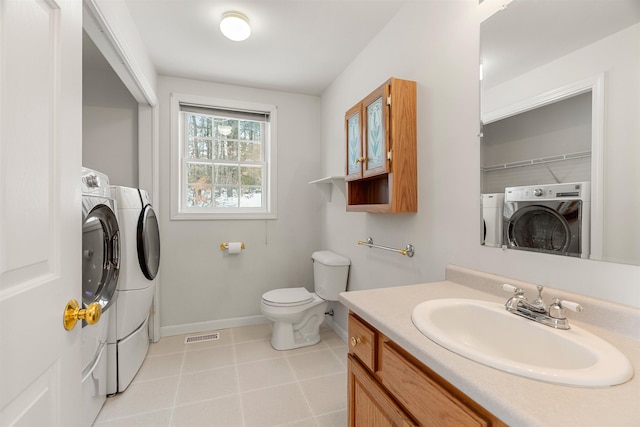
515	400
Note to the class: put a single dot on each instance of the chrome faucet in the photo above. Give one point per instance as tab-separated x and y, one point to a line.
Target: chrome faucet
537	310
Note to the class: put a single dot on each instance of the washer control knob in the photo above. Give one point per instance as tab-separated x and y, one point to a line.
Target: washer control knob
538	192
92	180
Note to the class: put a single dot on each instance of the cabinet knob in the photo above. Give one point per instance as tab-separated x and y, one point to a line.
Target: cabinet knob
355	341
361	159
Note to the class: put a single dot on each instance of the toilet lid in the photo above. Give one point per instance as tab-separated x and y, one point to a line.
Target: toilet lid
288	296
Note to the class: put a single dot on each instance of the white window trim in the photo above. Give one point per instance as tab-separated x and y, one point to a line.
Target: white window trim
270	211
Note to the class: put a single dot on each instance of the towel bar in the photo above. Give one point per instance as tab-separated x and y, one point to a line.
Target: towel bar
407	251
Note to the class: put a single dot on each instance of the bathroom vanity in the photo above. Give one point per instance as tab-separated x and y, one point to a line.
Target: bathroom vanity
397	376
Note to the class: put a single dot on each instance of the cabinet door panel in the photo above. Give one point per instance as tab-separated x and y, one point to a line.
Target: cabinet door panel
369	404
376	132
353	124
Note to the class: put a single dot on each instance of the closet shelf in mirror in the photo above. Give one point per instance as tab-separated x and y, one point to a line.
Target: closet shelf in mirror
542	160
326	185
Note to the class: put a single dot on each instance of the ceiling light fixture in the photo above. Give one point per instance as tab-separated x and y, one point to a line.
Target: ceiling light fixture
235	26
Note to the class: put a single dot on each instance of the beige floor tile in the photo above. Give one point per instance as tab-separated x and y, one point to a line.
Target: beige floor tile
206	385
139	397
315	364
256	350
149	419
274	406
331	339
326	394
223	412
236	381
252	333
208	358
174	344
335	419
165	365
265	373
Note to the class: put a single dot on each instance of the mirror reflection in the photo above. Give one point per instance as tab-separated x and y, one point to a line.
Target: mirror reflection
560	101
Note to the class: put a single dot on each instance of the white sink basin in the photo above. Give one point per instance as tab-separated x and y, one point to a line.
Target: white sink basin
487	333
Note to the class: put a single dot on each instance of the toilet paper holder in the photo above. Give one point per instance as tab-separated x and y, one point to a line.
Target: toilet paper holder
225	245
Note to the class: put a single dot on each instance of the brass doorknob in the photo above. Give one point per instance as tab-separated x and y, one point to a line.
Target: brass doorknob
73	313
355	341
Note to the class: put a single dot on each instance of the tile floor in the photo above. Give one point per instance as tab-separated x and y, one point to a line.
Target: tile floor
238	380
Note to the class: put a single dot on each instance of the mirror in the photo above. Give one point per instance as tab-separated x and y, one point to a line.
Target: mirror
560	109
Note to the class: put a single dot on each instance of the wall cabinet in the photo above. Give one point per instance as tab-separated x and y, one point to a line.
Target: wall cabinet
388	387
381	138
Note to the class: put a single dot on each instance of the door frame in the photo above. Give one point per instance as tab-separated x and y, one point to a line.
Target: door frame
98	21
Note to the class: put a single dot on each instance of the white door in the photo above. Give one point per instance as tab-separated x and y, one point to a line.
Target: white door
40	210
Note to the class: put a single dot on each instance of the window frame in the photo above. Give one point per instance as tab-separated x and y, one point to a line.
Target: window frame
178	176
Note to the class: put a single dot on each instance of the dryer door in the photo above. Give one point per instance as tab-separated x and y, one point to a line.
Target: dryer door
100	256
538	228
148	238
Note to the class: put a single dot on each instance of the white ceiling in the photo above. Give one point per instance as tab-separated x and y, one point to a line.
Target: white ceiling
531	33
297	46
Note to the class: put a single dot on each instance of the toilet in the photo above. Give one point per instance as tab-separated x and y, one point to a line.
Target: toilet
297	313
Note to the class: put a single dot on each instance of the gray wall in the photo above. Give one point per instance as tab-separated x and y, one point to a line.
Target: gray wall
203	287
109	120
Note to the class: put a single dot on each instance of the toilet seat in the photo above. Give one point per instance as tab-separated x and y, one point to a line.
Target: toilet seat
287	297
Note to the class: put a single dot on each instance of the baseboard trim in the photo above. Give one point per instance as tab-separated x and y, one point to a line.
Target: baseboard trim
190	328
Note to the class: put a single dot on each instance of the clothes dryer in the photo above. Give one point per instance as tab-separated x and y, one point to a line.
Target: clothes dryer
552	218
128	339
100	272
492	207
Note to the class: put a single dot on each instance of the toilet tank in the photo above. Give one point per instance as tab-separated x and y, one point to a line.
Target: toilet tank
330	272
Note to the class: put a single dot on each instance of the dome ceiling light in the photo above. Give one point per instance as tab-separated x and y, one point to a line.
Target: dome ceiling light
235	26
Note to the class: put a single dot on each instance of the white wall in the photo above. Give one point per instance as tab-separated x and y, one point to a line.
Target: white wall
436	43
109	122
203	287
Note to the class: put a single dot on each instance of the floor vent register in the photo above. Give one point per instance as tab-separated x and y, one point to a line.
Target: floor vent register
202	338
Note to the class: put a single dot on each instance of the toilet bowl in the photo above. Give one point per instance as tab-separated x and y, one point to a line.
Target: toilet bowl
297	313
296	323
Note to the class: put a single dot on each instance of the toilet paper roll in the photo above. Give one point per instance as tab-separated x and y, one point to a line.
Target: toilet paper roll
235	247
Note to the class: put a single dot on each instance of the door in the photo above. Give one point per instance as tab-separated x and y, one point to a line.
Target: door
40	214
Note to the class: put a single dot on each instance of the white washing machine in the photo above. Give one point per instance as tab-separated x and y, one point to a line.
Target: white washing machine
128	339
100	272
551	218
492	207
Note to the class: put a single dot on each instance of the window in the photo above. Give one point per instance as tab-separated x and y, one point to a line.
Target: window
223	159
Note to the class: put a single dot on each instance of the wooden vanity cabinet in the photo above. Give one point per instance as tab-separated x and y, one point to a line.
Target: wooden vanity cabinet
381	139
389	387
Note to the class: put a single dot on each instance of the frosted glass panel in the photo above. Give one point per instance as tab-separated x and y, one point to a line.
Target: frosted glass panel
353	140
375	134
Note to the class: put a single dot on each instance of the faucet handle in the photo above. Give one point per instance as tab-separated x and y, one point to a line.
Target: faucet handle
573	306
556	309
508	288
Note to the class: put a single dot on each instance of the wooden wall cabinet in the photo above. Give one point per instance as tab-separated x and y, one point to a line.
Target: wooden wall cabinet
381	139
389	387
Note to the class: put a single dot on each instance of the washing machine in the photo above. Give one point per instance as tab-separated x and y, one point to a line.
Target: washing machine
128	338
492	208
552	218
100	272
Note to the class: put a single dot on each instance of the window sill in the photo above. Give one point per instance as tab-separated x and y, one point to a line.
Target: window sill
209	216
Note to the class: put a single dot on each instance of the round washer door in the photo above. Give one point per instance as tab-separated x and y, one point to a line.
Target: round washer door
148	243
100	256
540	228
